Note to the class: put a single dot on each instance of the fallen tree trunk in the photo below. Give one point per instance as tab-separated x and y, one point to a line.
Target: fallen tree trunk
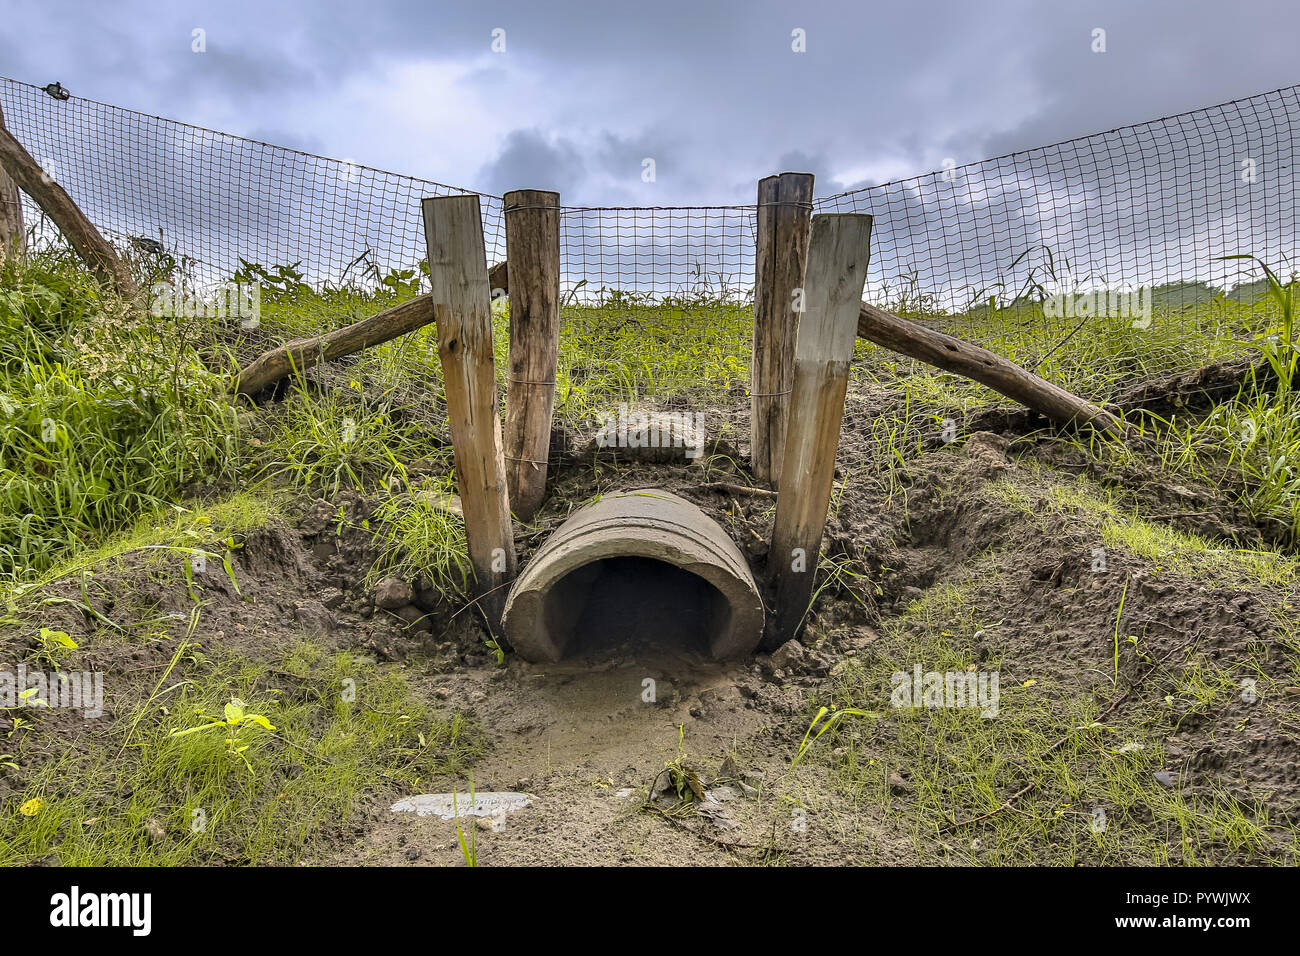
103	261
1199	388
980	365
302	354
874	324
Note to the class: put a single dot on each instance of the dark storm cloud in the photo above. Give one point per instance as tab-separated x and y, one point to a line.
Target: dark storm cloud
715	95
530	157
881	91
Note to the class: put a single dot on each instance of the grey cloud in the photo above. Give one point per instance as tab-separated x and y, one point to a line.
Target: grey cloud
531	160
889	85
715	95
293	139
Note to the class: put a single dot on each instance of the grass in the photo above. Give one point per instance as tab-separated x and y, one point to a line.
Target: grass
139	413
424	538
335	439
1082	772
1168	549
107	415
156	782
680	353
1092	797
217	524
163	797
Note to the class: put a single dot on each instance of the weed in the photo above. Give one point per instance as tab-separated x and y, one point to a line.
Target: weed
237	722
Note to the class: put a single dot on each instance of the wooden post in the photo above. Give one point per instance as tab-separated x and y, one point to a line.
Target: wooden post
837	270
533	252
13	235
103	261
462	307
784	210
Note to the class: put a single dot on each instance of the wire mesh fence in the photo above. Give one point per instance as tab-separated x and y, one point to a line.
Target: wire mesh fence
1100	252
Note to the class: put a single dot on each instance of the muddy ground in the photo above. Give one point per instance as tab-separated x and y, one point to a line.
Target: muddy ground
974	554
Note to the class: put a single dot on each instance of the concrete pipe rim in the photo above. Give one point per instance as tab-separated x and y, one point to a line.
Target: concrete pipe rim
649	524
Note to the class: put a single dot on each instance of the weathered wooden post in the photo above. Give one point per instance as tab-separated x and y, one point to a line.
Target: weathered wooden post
784	210
67	215
837	270
533	251
13	237
462	306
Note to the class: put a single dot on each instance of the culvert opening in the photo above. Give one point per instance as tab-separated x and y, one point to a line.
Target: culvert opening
631	603
640	568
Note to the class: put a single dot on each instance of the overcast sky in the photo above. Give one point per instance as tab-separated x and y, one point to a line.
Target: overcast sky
714	93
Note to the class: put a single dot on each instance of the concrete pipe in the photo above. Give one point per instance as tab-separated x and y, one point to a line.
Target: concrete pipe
636	567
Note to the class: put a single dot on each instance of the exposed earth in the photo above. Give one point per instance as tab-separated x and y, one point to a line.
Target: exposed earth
1143	633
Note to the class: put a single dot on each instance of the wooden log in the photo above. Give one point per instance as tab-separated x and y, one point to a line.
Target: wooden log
988	368
1199	388
837	270
103	261
1189	392
499	278
784	211
462	306
13	235
269	367
533	246
302	354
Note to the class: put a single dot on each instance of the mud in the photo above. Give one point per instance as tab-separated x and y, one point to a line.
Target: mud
589	739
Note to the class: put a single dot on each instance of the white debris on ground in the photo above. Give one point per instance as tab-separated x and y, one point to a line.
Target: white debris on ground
443	805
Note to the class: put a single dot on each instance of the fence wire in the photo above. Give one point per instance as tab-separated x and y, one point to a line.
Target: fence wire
1005	251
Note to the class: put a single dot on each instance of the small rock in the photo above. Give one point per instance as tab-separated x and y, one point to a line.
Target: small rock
1166	779
318	517
818	663
413	853
747	791
155	831
898	784
989	448
313	617
860	637
719	816
787	655
410	614
427	596
442	501
392	593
